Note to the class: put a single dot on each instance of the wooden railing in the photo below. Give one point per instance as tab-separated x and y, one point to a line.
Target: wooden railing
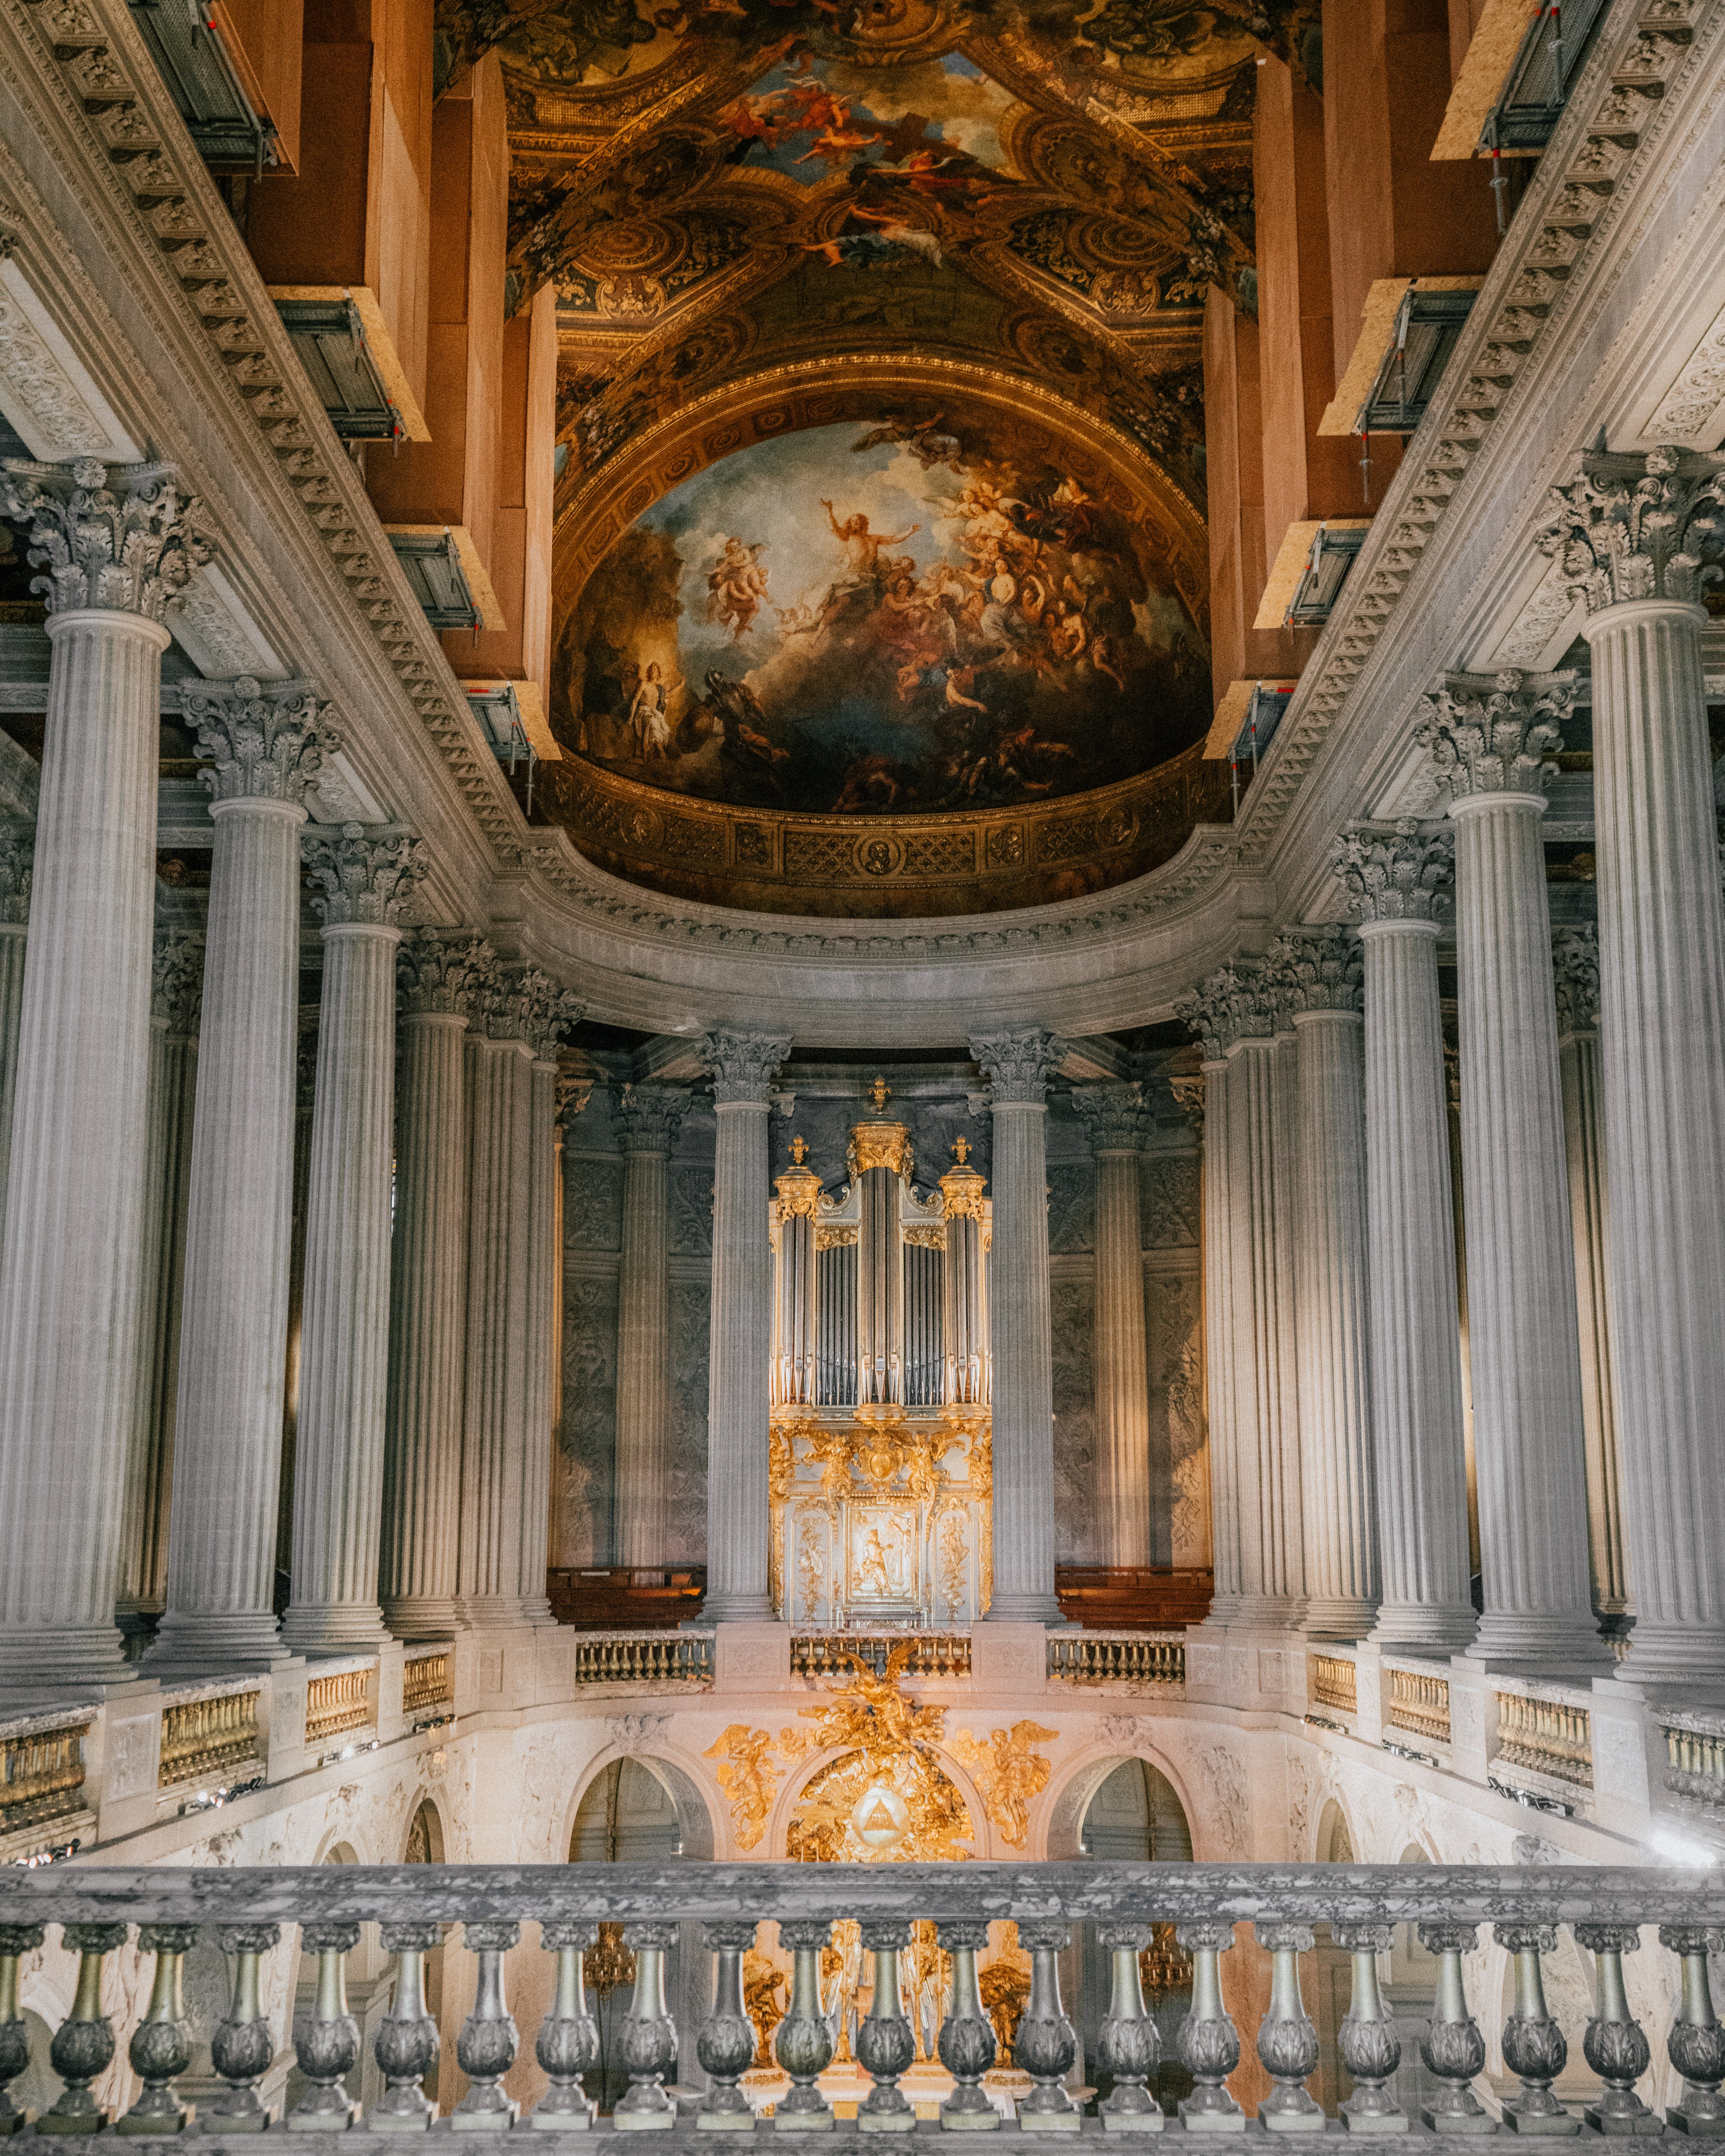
831	1654
1419	1704
605	1658
1157	1658
201	1737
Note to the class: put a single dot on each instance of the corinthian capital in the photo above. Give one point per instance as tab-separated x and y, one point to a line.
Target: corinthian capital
17	853
176	980
1232	1005
368	876
742	1064
1319	969
1492	733
648	1118
1018	1066
1637	524
525	1004
1116	1114
264	748
435	974
1575	972
1400	874
128	547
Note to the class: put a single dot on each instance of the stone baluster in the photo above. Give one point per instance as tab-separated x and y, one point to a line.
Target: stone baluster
1287	2040
1616	2044
1018	1066
437	979
161	2048
1634	534
1116	1117
1452	2046
738	1364
1370	2048
83	2046
1129	2046
885	2043
17	845
1322	973
1209	2041
1534	2048
15	1940
1696	2045
1575	966
407	2044
567	2045
227	1418
803	2041
113	555
485	2047
1395	878
647	1124
368	878
726	2043
326	2043
966	2043
1487	741
649	2047
1045	2044
242	2047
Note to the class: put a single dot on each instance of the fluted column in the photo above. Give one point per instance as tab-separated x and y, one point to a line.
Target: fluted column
738	1377
17	845
228	1421
1322	971
368	879
1633	533
112	556
1115	1115
647	1124
1396	878
1220	1409
436	980
551	1011
1018	1066
1575	963
1487	739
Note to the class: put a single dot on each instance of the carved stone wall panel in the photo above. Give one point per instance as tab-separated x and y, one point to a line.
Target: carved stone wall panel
593	1204
587	1441
685	1501
1072	1207
691	1211
1170	1202
1073	1305
1175	1345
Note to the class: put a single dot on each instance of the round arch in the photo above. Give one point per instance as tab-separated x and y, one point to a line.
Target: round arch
776	1837
1067	1802
1335	1836
424	1842
696	1833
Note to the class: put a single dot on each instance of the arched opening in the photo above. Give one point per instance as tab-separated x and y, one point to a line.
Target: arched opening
1134	1817
1326	1973
1410	1993
424	1845
369	1975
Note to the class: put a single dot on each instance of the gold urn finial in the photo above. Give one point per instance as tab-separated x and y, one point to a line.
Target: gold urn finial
799	1150
878	1093
961	1148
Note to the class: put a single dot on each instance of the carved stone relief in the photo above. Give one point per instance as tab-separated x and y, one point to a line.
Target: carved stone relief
587	1442
691	1211
1169	1198
685	1503
1073	1332
1072	1207
593	1204
1175	1345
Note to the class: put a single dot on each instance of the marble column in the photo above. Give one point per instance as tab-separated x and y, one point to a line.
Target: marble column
1633	534
738	1376
1208	1019
1487	739
114	549
1018	1067
18	844
1575	964
1396	878
228	1421
647	1122
551	1012
1114	1115
436	980
368	877
1322	971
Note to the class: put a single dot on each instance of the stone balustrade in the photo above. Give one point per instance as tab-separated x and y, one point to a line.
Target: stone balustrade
42	1782
1335	1683
213	1734
250	1912
428	1692
1695	1756
1094	1658
644	1657
1545	1736
1419	1704
832	1654
339	1704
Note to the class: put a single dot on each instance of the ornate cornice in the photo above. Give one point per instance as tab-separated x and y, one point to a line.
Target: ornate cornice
742	1065
1232	1005
177	981
1018	1066
1319	969
128	546
1495	733
648	1118
261	747
437	974
1575	973
1115	1114
18	854
1402	872
368	876
1638	526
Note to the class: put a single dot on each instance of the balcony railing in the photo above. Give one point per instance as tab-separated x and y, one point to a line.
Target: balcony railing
1420	1705
646	1657
249	1911
832	1654
1335	1683
1088	1658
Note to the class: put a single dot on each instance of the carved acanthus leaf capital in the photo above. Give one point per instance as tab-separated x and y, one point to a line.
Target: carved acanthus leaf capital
522	1003
1403	872
1641	524
1319	969
438	974
1575	974
648	1118
367	876
1018	1066
128	547
574	1091
1495	733
263	747
742	1065
1233	1004
176	980
18	853
1116	1115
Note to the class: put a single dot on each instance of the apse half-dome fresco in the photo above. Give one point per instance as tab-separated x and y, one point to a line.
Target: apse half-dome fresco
905	615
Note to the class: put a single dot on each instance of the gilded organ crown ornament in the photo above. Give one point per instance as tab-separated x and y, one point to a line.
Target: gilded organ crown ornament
799	1151
1639	525
960	1150
880	1145
878	1093
128	546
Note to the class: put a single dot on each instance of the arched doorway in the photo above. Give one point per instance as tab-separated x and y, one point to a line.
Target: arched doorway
1410	1993
424	1845
1326	1973
1134	1817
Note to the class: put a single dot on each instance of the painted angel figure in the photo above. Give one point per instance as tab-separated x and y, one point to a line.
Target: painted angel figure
738	587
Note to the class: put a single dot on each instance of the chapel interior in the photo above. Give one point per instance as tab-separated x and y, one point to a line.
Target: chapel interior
862	1068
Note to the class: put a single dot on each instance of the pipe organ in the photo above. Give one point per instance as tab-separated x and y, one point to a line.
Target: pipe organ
880	1425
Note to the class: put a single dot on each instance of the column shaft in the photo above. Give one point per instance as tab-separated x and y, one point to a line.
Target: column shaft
13	938
1583	1134
534	1539
738	1402
1122	1371
647	1124
1220	1407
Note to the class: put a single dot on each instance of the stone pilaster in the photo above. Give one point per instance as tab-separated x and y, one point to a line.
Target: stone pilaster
227	1422
1488	740
115	548
17	845
647	1124
1397	880
1635	533
368	879
738	1381
1575	965
1322	972
1116	1116
552	1012
437	979
1018	1066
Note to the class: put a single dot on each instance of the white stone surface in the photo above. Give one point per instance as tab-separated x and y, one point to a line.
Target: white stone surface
1122	1380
